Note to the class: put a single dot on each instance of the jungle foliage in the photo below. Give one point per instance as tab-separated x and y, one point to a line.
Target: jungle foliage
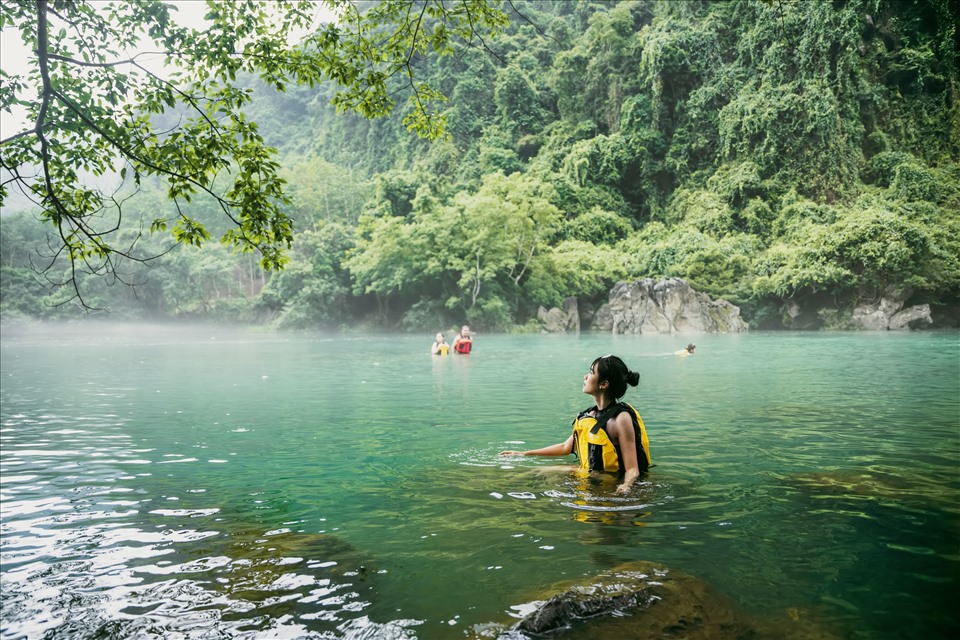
92	105
770	152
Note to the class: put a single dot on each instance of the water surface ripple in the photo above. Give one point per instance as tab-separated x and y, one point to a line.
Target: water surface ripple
212	483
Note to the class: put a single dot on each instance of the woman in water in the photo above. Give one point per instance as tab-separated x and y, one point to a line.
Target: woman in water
440	346
609	436
687	350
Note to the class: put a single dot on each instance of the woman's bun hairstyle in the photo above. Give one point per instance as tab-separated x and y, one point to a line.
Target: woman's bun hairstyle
613	370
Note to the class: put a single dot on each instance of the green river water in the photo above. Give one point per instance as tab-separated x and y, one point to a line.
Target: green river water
216	483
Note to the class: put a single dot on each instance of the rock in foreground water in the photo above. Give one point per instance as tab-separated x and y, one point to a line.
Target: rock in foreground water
642	600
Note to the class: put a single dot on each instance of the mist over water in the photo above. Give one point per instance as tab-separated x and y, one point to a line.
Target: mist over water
208	482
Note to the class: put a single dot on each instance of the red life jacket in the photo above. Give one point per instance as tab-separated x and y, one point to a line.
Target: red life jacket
463	346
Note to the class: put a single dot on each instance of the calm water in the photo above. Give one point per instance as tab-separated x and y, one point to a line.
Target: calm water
175	483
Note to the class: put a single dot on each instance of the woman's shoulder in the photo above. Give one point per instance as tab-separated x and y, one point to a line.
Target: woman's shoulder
620	411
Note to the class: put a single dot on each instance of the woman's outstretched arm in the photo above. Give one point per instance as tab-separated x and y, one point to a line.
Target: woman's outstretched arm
559	449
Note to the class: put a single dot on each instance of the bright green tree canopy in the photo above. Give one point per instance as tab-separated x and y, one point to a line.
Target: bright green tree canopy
96	109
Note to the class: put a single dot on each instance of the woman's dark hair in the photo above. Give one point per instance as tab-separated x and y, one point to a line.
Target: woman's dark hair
613	370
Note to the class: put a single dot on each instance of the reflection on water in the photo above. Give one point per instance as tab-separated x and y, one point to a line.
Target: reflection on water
103	558
230	484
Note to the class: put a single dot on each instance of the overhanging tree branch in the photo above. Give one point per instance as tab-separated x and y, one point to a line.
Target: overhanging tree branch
89	115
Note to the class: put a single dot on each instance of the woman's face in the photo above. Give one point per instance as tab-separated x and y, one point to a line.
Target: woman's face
591	381
439	337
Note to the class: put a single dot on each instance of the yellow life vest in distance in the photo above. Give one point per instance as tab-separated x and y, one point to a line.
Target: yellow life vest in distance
443	349
592	444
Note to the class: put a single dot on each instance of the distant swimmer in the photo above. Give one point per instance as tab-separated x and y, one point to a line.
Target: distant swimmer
463	343
686	351
609	436
440	346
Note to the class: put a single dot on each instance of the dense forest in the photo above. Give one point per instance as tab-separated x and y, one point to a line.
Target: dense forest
777	154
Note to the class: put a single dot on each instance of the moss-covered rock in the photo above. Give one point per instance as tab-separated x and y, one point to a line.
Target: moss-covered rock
645	600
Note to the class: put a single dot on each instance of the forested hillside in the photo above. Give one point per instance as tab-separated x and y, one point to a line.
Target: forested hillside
778	154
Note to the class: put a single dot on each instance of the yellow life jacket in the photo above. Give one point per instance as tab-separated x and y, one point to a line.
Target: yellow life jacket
443	349
592	444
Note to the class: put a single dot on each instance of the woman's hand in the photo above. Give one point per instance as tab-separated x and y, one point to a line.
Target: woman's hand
624	488
511	453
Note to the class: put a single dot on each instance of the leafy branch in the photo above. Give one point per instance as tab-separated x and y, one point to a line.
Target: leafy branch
98	111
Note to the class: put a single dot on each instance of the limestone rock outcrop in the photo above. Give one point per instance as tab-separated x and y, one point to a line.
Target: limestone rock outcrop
603	318
670	306
560	320
888	313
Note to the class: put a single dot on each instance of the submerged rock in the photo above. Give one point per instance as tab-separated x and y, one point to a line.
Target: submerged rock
643	600
635	600
906	487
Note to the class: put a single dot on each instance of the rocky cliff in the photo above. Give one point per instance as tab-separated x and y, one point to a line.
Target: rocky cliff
647	306
669	306
888	313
